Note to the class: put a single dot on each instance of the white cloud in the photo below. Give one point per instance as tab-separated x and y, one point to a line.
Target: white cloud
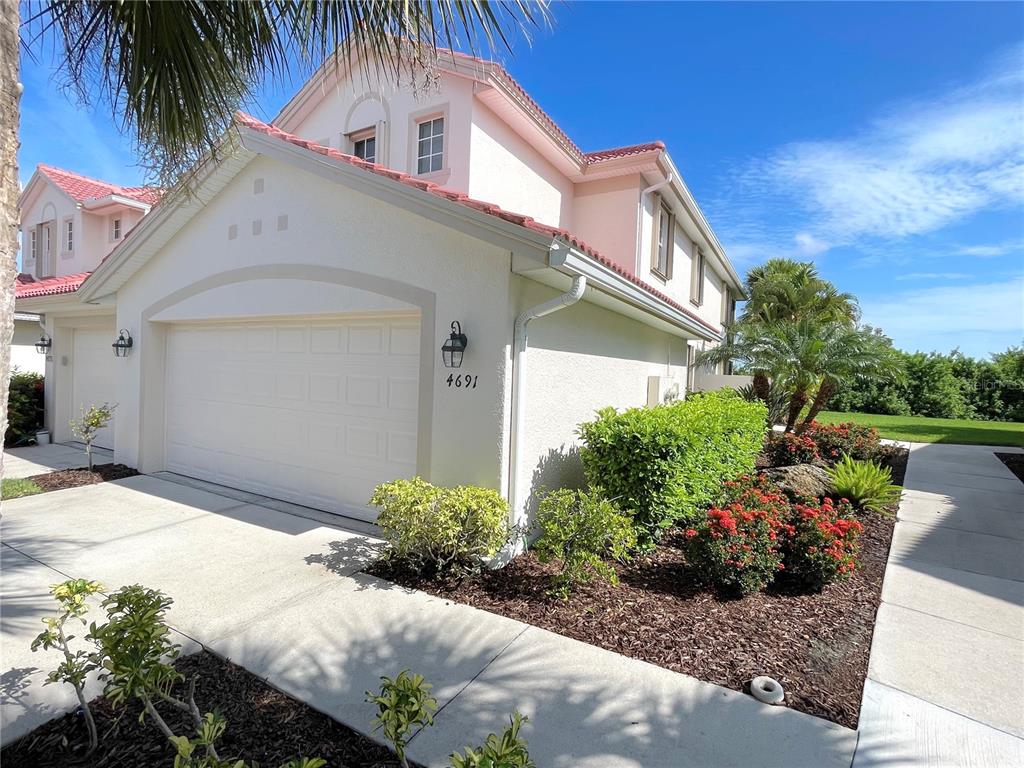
933	276
916	169
989	251
809	245
979	319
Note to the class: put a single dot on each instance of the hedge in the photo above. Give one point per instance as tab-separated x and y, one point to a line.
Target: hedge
667	463
24	408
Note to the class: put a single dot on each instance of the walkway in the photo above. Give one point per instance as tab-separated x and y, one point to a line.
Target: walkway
946	679
281	595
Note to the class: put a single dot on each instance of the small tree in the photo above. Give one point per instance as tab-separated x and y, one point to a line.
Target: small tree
402	704
71	596
505	751
89	425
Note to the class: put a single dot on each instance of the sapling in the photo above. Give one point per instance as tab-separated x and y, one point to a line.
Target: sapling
71	595
402	704
89	425
505	751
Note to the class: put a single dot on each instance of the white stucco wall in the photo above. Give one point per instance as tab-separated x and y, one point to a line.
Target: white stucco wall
506	170
46	205
332	234
581	359
606	212
24	357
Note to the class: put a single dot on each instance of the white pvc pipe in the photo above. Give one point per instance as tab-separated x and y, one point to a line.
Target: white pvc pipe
519	347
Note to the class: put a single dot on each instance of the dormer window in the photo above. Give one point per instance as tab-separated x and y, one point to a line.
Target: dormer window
430	145
364	145
115	229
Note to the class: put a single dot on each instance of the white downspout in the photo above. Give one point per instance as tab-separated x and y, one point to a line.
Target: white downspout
519	347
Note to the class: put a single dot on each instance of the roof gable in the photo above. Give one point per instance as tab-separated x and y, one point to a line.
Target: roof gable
81	188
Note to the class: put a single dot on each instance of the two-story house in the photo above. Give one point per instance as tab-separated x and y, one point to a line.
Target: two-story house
388	281
68	224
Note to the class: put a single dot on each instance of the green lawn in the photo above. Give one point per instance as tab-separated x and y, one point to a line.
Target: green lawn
12	488
919	429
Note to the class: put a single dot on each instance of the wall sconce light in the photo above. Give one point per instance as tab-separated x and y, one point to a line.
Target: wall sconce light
123	344
454	347
44	344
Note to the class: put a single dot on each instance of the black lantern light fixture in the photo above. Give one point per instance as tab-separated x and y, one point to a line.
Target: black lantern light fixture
454	347
123	344
44	344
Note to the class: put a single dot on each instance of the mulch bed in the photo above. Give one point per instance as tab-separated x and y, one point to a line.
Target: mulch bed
1014	462
73	478
264	725
816	645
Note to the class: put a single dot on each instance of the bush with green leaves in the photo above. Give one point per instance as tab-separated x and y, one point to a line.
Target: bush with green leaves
71	595
509	750
24	408
580	529
866	483
404	703
667	463
434	530
88	426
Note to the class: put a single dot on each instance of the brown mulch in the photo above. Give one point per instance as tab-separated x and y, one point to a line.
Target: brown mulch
73	478
264	725
1014	462
816	645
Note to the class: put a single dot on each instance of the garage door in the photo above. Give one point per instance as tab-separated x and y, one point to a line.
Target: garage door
92	377
315	413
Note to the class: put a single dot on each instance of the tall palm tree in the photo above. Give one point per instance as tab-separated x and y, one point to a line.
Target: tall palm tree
174	73
783	289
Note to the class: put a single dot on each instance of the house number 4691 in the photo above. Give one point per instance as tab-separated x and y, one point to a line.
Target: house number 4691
462	381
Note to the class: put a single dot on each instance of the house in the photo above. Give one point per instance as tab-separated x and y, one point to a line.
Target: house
287	316
68	224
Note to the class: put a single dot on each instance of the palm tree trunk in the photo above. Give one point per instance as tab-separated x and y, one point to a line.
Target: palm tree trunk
796	404
762	386
826	389
10	97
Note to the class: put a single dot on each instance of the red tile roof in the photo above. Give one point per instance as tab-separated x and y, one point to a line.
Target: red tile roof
633	149
449	194
80	187
51	286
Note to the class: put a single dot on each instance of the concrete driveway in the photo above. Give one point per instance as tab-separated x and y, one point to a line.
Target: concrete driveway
40	459
279	594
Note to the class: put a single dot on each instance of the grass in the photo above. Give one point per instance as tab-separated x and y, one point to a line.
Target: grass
13	488
920	429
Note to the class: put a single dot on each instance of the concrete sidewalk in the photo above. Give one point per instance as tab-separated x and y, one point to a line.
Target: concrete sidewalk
281	595
945	683
40	459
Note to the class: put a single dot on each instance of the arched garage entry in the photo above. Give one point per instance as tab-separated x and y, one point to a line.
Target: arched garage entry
314	408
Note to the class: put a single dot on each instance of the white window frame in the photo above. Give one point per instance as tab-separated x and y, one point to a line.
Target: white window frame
68	239
697	276
432	157
33	243
364	135
116	230
664	239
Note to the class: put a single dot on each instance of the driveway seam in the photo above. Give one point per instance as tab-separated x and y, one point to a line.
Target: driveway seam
952	621
473	679
940	706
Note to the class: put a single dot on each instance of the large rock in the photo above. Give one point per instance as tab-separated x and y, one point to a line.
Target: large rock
801	480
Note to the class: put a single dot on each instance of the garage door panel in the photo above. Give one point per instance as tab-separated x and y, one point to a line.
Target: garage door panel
315	413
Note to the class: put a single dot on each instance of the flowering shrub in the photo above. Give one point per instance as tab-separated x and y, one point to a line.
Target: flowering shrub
822	546
837	440
737	545
785	448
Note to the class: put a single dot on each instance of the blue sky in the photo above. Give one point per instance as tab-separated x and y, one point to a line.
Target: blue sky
883	141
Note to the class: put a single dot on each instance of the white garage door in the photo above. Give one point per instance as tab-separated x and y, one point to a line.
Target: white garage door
92	377
316	413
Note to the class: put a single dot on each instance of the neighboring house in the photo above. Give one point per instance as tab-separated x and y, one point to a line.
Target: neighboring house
69	223
288	315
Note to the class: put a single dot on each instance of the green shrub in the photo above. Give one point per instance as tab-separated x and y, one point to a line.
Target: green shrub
736	546
668	462
505	751
783	449
821	545
24	408
580	529
434	530
866	483
403	704
89	425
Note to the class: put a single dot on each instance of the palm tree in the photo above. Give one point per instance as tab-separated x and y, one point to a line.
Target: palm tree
174	73
783	289
810	358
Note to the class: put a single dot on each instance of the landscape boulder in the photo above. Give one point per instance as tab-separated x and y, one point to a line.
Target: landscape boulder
801	480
